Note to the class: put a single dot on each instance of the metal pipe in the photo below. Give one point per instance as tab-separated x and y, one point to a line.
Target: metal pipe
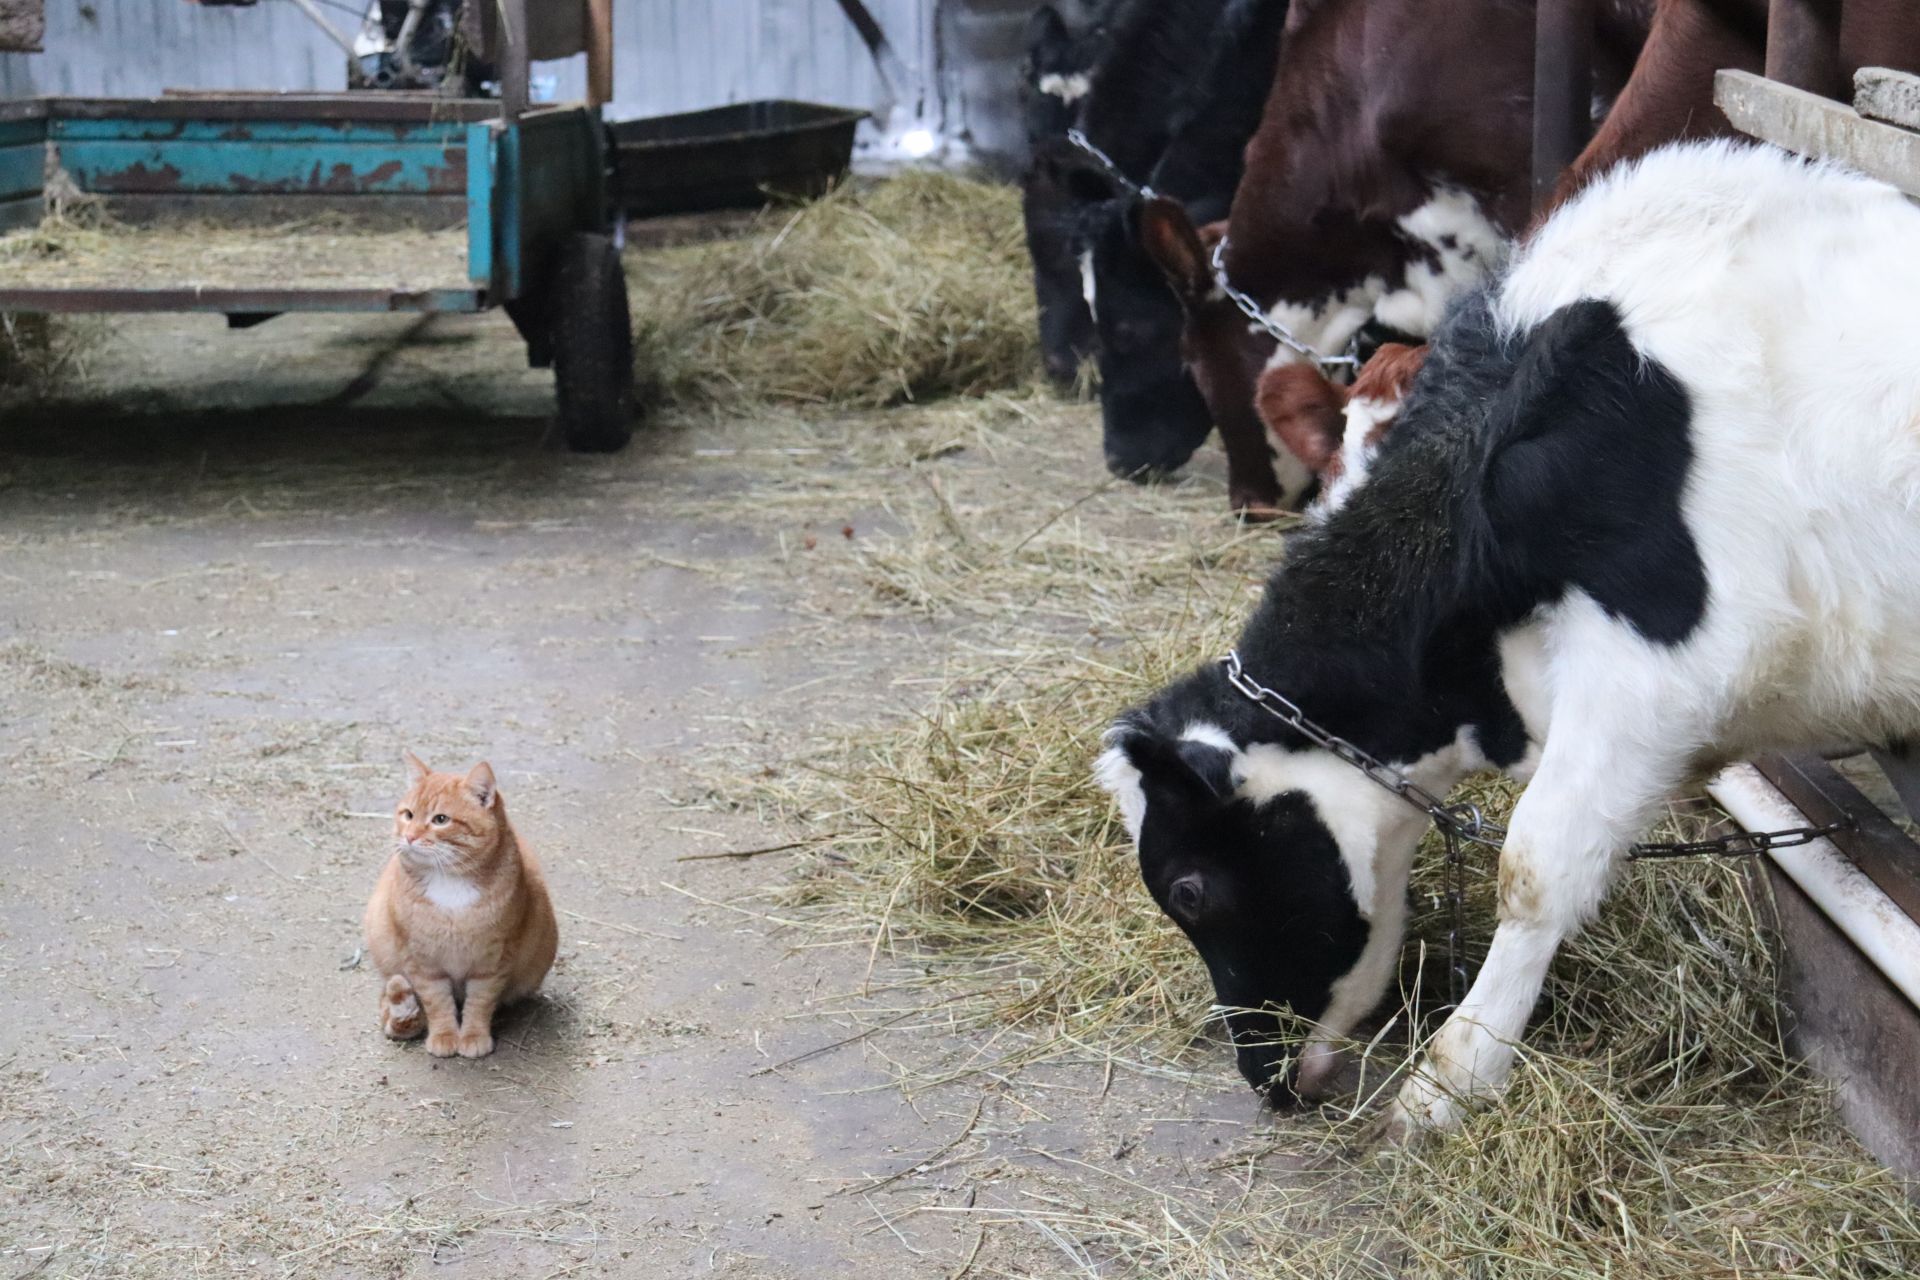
403	43
894	80
1562	89
1868	917
1803	47
516	50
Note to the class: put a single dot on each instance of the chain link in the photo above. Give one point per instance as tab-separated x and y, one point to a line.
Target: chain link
1268	325
1113	170
1463	823
1252	310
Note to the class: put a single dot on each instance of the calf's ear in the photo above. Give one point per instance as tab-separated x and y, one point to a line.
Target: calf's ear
1181	766
1304	410
1389	373
1169	237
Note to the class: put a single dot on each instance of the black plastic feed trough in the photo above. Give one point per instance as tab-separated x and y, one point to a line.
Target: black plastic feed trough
730	157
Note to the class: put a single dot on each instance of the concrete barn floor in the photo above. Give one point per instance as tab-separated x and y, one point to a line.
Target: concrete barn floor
234	583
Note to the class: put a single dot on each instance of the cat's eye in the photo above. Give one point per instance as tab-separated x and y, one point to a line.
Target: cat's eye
406	815
439	819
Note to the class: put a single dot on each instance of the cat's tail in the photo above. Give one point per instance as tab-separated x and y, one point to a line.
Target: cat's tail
400	1014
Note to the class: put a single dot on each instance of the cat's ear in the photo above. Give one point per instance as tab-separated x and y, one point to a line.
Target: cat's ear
480	784
415	765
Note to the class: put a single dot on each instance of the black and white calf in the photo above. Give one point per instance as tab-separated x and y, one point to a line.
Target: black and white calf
1653	506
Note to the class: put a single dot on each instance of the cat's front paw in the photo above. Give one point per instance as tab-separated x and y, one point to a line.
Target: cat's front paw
402	1019
443	1044
475	1045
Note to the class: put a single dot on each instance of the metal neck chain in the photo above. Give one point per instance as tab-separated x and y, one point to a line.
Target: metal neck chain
1252	310
1268	325
1113	170
1464	823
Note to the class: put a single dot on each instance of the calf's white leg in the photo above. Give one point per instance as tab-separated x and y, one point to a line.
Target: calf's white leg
1608	764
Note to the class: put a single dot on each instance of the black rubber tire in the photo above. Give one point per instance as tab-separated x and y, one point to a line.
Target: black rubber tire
592	345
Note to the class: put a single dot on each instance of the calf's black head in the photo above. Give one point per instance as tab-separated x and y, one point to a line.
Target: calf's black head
1258	887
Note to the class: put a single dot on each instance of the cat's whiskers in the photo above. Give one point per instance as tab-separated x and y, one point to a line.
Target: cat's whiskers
431	856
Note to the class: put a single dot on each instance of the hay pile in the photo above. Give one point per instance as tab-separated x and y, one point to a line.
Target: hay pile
1655	1127
908	289
40	354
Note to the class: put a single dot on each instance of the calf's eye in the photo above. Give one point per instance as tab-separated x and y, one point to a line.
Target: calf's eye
1186	897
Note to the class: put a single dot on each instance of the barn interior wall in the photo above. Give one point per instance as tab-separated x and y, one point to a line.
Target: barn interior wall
671	55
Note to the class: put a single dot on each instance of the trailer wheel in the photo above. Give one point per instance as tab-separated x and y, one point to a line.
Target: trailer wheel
592	345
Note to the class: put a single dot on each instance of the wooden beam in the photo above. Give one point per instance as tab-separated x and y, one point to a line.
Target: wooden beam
1849	1023
599	52
1816	126
1892	97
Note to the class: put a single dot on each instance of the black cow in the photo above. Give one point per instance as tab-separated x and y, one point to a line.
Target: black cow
1055	81
1140	58
1152	415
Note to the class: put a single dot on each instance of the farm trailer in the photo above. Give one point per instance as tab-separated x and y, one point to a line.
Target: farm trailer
517	200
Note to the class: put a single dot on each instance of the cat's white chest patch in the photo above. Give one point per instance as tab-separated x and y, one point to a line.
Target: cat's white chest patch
450	893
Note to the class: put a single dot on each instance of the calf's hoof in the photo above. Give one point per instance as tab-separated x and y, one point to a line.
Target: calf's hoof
1423	1108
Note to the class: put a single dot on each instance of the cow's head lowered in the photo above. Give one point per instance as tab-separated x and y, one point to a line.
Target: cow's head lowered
1152	416
1224	357
1283	866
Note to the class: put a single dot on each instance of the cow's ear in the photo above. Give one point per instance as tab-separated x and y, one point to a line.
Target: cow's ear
1169	237
1304	410
1047	35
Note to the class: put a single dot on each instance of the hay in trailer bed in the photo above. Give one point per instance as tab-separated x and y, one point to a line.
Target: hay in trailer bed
875	294
319	253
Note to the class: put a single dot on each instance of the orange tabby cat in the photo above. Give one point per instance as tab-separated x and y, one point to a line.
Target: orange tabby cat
460	922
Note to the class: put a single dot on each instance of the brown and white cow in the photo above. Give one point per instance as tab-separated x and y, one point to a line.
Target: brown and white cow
1390	168
1667	98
